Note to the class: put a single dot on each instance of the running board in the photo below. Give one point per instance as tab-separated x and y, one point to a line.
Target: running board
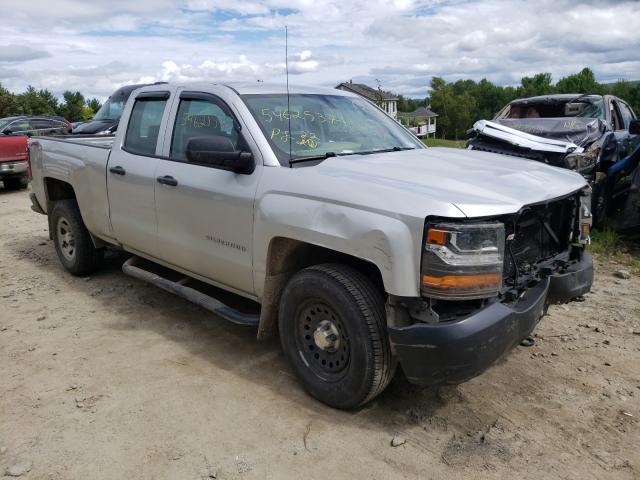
177	288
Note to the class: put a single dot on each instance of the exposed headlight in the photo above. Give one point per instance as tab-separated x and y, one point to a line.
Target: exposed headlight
463	261
585	217
583	162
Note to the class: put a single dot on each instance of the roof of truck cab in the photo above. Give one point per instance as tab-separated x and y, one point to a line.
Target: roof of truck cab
252	88
556	97
261	88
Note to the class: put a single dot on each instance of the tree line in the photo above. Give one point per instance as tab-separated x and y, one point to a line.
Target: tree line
73	106
459	104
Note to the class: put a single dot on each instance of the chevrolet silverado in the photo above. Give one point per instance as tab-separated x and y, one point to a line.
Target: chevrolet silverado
312	214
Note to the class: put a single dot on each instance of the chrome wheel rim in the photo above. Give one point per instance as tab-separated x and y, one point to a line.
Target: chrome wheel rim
66	240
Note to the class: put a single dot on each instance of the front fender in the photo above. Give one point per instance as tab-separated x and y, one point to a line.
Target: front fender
392	243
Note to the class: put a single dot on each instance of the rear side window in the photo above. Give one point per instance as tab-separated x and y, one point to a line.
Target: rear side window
40	124
144	125
201	117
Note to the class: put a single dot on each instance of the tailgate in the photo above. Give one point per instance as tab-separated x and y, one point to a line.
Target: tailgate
13	147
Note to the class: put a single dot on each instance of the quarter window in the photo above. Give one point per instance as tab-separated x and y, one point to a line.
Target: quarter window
198	118
144	125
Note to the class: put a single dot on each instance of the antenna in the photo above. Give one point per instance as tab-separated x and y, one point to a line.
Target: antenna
286	66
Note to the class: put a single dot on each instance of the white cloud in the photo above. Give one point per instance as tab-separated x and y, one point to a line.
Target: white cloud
97	46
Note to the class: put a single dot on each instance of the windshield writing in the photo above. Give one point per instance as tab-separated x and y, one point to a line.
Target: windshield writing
325	123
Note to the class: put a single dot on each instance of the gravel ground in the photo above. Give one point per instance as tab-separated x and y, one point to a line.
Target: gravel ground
106	377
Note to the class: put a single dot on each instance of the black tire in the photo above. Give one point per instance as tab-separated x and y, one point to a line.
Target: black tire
72	240
15	183
354	309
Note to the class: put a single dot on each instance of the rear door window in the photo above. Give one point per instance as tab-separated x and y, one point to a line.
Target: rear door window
144	125
42	126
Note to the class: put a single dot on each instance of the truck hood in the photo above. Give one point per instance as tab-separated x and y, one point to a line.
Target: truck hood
476	183
94	126
556	135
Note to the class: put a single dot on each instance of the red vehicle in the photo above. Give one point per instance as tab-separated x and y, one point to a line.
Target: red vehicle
14	145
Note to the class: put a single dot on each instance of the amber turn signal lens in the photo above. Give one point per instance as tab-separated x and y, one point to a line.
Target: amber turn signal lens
585	229
462	282
439	237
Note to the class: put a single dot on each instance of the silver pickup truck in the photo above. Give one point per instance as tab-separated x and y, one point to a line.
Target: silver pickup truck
316	215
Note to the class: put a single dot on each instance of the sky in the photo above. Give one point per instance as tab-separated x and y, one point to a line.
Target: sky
96	46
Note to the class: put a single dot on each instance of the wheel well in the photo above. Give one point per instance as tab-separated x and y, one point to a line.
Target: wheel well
58	190
286	257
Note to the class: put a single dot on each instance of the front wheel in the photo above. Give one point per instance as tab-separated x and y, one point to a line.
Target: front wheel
73	243
333	331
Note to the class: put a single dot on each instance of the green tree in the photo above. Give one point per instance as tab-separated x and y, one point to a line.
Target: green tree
583	82
73	107
539	84
7	102
36	102
94	104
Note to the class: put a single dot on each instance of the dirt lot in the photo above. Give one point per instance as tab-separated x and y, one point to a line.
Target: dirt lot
108	378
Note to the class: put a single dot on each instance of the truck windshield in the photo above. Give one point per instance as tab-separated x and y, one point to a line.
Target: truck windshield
111	110
326	124
586	106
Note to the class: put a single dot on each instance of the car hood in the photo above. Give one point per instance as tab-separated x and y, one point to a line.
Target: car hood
94	126
476	183
561	135
579	130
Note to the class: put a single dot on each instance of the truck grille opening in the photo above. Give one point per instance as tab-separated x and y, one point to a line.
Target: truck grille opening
537	233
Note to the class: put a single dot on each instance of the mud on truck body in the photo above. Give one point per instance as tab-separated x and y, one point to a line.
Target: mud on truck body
585	133
313	215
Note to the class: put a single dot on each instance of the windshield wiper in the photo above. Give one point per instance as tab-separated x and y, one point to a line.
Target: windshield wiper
384	150
324	156
333	154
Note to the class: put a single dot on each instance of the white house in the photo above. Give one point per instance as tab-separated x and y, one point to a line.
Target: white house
387	101
423	119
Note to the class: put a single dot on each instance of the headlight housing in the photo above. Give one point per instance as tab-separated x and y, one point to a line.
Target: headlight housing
462	261
585	161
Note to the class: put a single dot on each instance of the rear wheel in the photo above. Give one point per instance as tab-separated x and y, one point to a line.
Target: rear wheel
15	183
73	243
333	331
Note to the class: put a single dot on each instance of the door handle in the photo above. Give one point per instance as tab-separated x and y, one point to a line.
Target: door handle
117	170
167	180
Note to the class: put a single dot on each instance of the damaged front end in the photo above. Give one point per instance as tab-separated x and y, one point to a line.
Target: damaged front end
584	145
486	284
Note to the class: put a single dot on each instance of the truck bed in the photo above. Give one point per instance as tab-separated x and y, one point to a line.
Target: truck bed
78	160
100	141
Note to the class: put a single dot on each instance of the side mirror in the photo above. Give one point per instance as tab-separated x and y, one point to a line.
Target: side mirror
7	131
218	151
634	127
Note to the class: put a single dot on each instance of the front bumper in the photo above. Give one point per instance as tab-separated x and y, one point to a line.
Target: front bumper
452	352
